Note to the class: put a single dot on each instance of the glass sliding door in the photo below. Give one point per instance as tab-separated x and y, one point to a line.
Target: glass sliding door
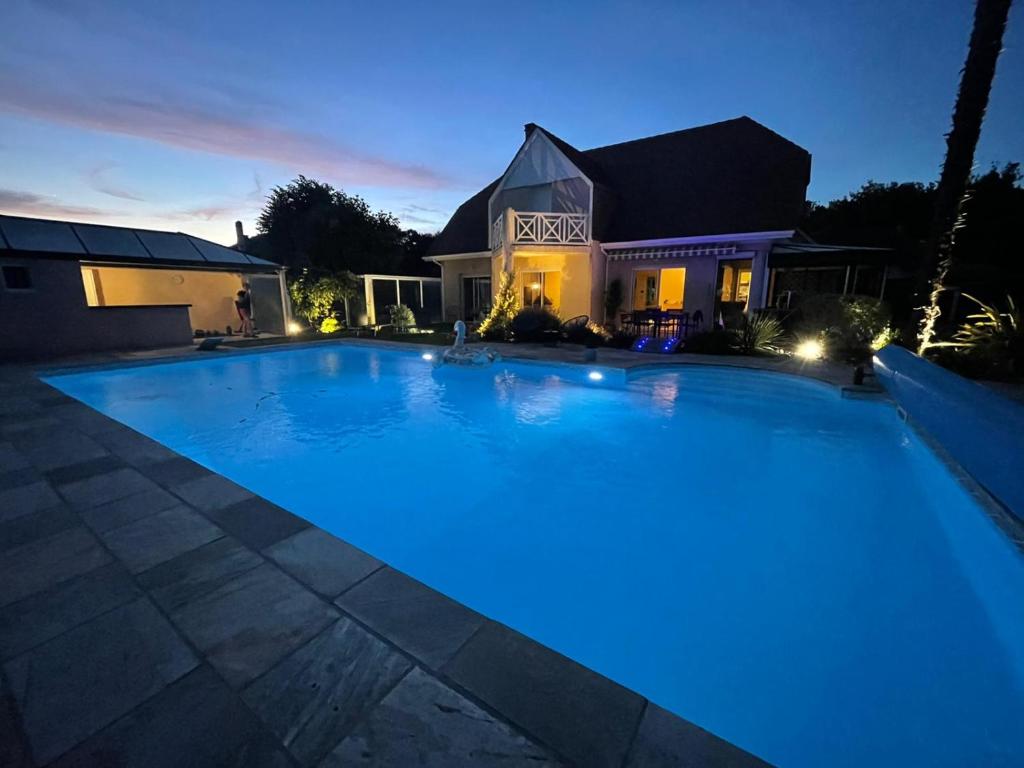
476	297
542	290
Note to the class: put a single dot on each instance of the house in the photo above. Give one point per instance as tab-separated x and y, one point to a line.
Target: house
68	287
687	222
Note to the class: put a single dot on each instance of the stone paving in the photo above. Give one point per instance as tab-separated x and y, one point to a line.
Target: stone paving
153	613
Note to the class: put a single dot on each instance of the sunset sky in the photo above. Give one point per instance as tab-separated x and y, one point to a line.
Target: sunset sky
183	115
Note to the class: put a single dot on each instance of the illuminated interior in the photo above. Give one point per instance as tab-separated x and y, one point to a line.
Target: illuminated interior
659	288
210	295
736	283
542	289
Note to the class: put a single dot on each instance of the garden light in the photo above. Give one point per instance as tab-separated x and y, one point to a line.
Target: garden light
294	327
810	350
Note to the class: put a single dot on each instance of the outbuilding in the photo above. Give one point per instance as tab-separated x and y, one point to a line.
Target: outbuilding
68	287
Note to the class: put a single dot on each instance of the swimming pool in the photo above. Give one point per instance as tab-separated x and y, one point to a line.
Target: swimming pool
793	571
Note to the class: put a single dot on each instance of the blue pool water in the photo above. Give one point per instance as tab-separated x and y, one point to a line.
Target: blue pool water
791	570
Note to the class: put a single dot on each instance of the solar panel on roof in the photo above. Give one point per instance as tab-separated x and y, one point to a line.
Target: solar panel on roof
169	245
262	262
40	235
214	252
111	241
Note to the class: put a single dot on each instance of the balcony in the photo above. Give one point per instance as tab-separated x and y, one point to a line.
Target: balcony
536	228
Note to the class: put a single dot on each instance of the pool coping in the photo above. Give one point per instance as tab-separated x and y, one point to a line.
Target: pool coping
571	713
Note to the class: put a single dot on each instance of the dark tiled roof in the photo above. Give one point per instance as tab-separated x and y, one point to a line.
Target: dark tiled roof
467	229
724	178
68	239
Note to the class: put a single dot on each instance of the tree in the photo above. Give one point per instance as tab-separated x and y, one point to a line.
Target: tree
308	223
898	215
415	246
320	298
968	115
503	310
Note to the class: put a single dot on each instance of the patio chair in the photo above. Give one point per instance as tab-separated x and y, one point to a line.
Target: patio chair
575	322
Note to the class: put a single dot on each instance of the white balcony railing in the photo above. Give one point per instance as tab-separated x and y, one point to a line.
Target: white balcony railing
536	228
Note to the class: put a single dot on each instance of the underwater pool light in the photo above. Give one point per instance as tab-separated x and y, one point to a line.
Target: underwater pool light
595	375
427	356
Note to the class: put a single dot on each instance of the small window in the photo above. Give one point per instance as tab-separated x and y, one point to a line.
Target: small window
17	279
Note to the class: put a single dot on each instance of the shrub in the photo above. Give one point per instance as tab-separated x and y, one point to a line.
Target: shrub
534	324
849	326
758	334
330	325
612	299
990	344
621	339
401	317
714	342
590	334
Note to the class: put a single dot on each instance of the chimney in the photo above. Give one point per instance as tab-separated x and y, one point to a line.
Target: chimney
529	128
240	238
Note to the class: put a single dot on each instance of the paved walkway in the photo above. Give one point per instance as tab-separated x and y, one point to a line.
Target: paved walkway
153	613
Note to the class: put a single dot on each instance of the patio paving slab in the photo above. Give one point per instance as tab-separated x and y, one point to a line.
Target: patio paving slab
13	478
584	716
42	563
51	450
257	522
74	685
134	448
155	539
312	699
197	721
126	510
11	458
83	418
175	471
35	525
14	752
422	722
81	470
179	581
326	564
422	622
666	741
211	492
102	489
248	624
24	499
43	616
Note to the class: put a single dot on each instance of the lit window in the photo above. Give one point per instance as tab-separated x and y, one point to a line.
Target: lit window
542	289
17	279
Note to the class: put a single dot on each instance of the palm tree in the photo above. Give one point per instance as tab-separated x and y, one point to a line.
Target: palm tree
968	114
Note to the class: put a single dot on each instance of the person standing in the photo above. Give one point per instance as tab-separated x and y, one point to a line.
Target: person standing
243	305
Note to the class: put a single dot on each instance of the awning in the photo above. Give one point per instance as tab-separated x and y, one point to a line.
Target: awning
796	255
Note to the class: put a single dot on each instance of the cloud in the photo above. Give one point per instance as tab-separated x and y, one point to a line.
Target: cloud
46	206
210	212
180	121
96	179
420	215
